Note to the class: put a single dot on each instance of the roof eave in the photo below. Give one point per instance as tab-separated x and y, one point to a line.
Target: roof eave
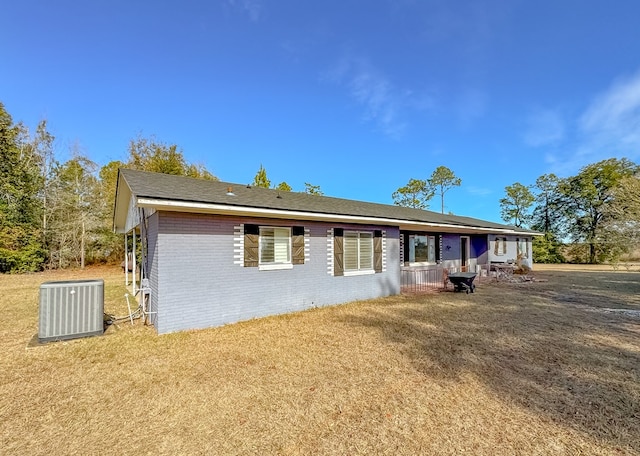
248	211
121	207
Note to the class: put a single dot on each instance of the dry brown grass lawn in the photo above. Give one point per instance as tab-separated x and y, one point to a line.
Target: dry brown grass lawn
536	368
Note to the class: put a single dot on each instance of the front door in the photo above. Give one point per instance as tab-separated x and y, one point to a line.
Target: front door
464	253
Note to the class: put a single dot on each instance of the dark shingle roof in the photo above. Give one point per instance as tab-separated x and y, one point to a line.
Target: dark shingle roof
185	189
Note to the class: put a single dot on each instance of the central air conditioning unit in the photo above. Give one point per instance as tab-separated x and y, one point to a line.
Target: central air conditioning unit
71	309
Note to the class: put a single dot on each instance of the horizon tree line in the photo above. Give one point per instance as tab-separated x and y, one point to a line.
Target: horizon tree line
59	214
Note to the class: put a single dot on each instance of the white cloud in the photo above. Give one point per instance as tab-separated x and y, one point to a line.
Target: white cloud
478	191
471	104
384	104
252	8
545	127
613	118
378	96
608	127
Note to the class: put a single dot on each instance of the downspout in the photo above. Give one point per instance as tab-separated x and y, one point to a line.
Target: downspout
134	266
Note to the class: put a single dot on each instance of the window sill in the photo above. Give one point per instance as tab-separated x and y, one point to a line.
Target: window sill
357	273
275	267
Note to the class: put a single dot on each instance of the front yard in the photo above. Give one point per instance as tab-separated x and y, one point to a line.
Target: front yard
535	368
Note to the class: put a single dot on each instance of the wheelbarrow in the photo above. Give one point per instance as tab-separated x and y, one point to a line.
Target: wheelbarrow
463	281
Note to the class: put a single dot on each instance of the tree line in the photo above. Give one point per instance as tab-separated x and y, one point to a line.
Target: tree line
261	180
418	192
57	214
592	217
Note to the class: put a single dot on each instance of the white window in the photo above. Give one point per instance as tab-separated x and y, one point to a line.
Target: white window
500	246
523	248
422	248
358	251
275	247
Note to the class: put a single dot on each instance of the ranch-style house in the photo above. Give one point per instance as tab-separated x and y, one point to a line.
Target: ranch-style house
208	253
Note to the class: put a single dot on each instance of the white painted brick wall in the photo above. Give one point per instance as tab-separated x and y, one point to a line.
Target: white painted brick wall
201	283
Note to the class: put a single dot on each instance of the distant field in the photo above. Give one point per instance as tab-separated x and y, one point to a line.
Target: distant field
545	367
628	267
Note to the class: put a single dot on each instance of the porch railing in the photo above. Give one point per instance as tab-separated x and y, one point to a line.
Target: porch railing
414	280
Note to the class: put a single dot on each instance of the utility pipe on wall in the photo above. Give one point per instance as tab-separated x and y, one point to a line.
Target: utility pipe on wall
133	272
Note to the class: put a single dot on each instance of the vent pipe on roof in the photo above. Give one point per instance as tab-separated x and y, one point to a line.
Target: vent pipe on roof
230	191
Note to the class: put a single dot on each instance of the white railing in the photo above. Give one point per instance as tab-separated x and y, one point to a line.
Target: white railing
414	280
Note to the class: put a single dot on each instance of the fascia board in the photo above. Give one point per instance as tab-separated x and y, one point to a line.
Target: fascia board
245	211
121	206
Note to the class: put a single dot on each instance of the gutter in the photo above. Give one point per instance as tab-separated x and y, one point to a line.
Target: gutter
223	209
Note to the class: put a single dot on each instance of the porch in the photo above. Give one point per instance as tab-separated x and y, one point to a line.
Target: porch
420	279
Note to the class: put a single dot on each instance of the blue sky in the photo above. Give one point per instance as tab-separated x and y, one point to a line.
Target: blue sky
354	96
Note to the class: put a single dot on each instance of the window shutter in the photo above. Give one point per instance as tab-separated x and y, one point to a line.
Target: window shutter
438	247
377	251
297	233
365	251
251	242
350	249
338	252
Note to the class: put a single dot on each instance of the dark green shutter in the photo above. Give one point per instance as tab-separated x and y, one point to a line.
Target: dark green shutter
338	252
297	234
377	251
437	247
251	243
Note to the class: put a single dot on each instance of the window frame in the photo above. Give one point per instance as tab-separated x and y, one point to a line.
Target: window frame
431	250
274	265
360	270
523	247
502	246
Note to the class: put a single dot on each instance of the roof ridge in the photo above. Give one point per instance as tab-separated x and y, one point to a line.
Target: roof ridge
154	185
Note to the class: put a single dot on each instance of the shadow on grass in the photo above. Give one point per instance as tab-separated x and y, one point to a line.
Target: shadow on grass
574	365
595	289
